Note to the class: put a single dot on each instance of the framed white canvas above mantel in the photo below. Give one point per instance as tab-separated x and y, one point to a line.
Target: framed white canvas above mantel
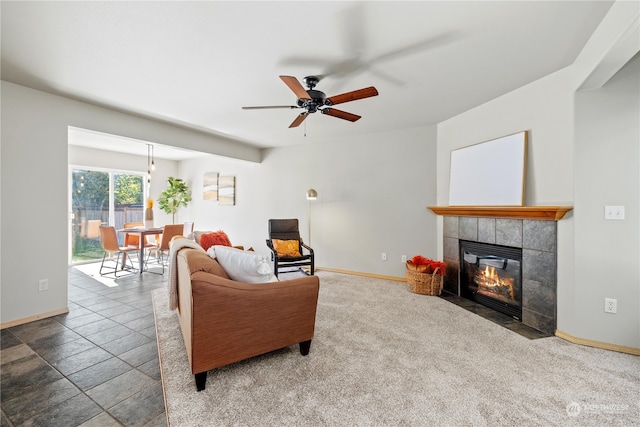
490	173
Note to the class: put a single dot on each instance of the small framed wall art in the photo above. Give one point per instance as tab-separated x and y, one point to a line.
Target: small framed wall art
210	186
227	190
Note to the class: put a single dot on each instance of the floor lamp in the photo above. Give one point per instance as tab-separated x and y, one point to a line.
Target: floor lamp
311	195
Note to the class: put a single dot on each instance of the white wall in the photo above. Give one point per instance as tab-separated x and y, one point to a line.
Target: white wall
372	198
607	253
556	161
545	109
34	207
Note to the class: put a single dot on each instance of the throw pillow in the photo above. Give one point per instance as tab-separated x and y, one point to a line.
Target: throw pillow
216	238
195	236
243	266
286	248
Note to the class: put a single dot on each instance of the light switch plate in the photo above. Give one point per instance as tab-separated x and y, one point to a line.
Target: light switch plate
614	212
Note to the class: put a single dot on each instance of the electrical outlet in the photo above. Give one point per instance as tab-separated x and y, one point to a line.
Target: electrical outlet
43	284
610	305
614	212
404	258
384	256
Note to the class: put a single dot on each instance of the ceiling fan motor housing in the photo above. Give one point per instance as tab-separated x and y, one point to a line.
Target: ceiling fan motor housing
317	100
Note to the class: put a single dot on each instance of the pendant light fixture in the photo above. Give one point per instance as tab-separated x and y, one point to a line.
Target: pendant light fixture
150	166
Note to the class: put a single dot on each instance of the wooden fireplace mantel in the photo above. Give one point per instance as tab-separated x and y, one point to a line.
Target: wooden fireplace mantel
548	213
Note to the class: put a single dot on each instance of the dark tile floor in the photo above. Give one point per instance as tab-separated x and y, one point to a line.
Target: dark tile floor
95	366
495	316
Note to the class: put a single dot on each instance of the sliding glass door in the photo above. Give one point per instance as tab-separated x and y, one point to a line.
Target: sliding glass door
101	197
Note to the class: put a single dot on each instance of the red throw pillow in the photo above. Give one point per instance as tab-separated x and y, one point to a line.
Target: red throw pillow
215	238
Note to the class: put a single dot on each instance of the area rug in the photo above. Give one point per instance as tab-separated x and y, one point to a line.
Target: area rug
383	356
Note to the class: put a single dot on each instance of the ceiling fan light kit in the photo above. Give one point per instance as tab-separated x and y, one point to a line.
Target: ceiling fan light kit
312	100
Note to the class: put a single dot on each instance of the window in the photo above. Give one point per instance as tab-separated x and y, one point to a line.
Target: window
100	197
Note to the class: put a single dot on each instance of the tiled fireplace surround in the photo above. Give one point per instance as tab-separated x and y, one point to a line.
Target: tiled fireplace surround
537	238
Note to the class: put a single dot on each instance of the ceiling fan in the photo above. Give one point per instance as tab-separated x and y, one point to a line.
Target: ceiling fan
312	100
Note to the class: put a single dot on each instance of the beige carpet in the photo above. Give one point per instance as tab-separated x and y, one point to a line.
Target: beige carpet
383	356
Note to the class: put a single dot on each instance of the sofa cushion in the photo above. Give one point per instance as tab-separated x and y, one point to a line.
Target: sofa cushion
287	248
244	266
200	261
214	238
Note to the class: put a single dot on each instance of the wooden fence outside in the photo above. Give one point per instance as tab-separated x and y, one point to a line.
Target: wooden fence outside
86	229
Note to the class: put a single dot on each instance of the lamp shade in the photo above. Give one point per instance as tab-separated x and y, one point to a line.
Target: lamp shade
312	194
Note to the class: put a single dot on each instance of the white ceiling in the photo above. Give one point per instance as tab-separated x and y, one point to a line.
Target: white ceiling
198	63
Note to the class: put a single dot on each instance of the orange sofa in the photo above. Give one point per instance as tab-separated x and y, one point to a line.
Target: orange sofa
224	321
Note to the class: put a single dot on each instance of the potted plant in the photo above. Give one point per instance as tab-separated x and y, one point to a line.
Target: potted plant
178	194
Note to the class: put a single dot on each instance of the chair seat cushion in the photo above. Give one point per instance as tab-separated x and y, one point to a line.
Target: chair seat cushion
287	248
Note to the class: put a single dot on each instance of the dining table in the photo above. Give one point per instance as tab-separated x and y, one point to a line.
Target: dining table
142	232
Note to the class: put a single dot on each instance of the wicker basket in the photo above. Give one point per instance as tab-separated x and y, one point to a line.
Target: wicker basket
425	283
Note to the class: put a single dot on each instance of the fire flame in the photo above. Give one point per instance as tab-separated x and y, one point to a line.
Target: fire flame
491	280
490	274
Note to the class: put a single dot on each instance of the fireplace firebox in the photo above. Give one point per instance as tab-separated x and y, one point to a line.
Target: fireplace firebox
491	275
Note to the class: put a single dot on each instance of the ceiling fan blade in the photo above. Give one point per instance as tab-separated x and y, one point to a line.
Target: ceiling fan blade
295	86
299	120
417	47
305	61
266	107
352	96
340	114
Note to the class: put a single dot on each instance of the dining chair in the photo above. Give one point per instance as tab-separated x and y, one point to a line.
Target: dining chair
118	254
188	229
168	233
134	239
